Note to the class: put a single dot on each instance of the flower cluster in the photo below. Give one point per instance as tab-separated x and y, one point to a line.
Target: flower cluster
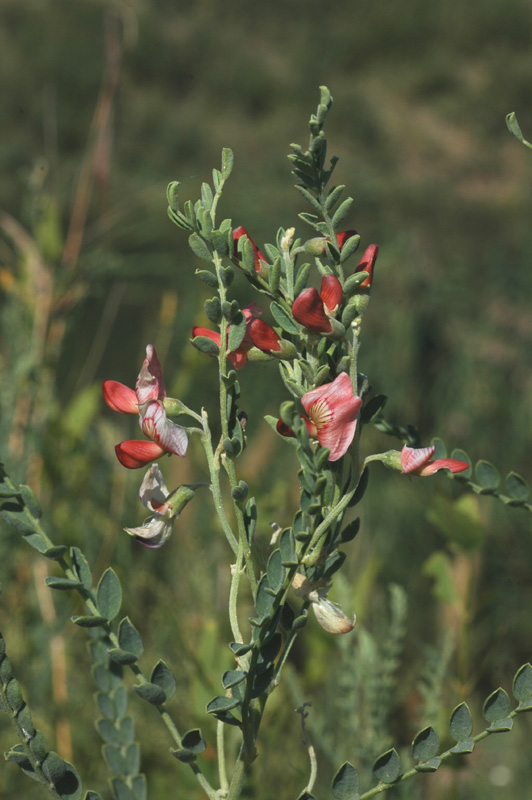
146	400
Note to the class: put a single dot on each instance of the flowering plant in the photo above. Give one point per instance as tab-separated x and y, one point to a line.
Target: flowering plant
314	336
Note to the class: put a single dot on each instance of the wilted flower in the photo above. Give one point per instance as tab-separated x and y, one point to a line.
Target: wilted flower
166	506
332	415
237	357
146	401
416	461
329	615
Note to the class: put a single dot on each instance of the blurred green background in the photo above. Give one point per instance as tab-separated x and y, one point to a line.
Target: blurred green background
103	104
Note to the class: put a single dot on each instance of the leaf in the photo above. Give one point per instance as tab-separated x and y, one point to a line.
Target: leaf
264	601
199	248
30	501
239	648
341	212
425	744
109	594
461	455
387	767
207	277
373	407
522	687
129	638
487	476
121	790
515	130
194	741
517	487
151	693
232	677
237	331
496	706
283	319
345	783
461	723
301	279
115	759
63	583
218	704
89	621
205	345
227	162
350	246
81	567
275	571
162	676
287	546
53	767
122	656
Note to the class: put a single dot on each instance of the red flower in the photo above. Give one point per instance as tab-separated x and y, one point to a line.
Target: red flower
264	337
309	307
367	263
416	460
147	402
332	415
241	231
239	356
343	236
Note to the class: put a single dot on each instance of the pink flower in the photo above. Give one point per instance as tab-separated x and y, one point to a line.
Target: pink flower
366	264
146	401
239	356
332	415
313	310
416	460
241	231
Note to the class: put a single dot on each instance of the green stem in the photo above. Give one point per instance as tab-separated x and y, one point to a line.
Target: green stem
214	470
237	780
220	746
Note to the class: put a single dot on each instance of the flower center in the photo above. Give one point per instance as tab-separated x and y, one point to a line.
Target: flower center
320	414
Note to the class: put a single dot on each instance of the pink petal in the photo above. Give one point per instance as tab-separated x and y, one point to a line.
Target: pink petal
156	426
153	491
119	397
413	458
331	292
443	463
150	382
334	410
134	453
308	310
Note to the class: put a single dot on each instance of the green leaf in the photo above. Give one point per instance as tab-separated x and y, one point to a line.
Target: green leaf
461	455
213	310
199	248
487	476
237	331
287	546
89	621
345	783
351	246
461	723
25	721
239	648
517	487
311	200
122	656
425	744
121	790
207	277
232	677
283	319
81	567
333	196
113	755
30	501
194	741
105	705
129	638
14	697
341	212
218	704
19	521
227	162
301	279
162	676
387	767
496	706
151	693
515	130
522	687
56	553
373	407
206	345
264	601
53	767
275	571
63	583
132	759
109	594
361	488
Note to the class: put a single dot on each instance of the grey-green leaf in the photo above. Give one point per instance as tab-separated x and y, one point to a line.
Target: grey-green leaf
522	686
487	475
497	706
345	783
387	767
162	676
283	319
129	638
425	744
461	724
109	594
199	248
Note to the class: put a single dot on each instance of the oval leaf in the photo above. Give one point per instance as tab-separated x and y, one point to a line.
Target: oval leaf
199	248
487	475
425	744
109	594
151	693
283	319
387	767
496	706
345	783
162	676
522	684
129	638
517	487
461	724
